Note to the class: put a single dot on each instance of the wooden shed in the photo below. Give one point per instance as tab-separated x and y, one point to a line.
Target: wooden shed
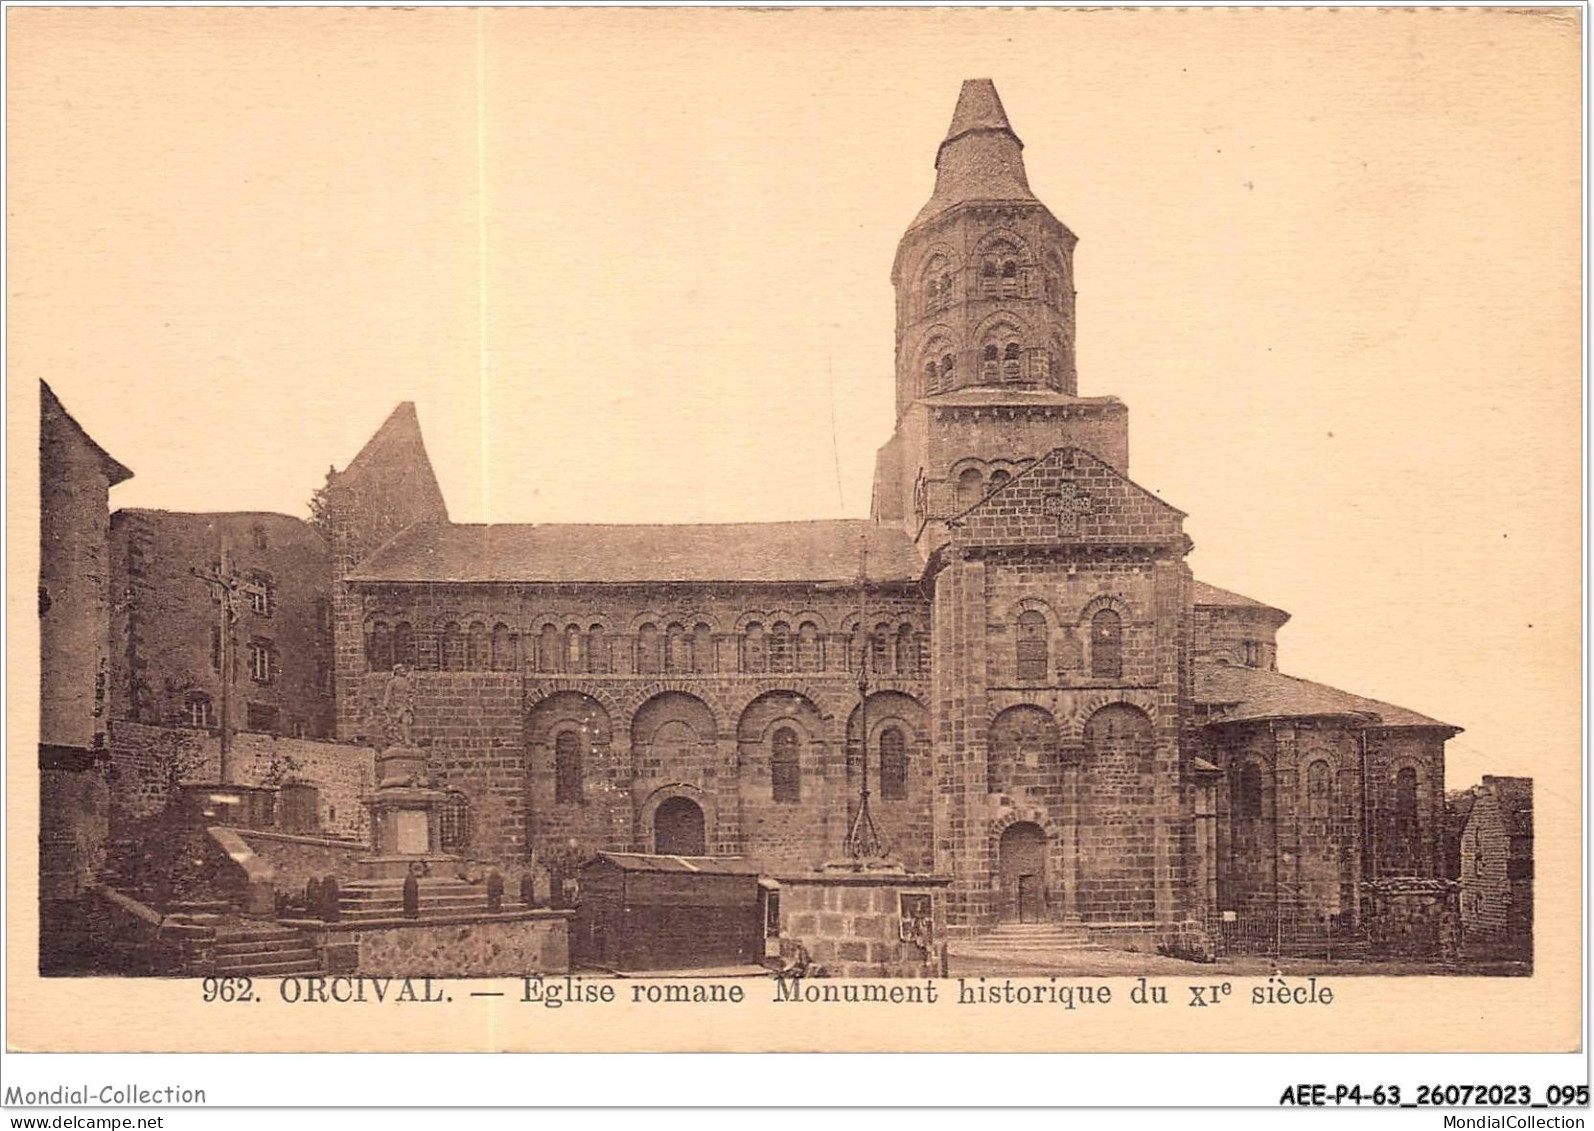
649	912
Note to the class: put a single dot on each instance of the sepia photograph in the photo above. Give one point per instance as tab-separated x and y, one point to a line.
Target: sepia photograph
827	507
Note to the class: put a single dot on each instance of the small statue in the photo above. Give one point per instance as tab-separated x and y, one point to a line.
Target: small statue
398	708
495	891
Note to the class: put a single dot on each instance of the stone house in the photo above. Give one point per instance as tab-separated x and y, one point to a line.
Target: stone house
75	478
1495	864
167	624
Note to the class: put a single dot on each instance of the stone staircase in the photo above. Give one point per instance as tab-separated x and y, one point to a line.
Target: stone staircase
1021	938
263	951
365	900
1022	946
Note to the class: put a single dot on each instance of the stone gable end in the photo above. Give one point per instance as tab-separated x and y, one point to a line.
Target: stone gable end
1069	496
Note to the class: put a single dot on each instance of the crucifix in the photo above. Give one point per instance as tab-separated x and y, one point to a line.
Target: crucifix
863	840
225	584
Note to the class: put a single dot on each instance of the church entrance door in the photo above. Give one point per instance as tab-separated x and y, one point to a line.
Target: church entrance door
1021	868
678	829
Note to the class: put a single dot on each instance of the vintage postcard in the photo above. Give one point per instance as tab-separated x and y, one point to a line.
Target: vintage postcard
814	530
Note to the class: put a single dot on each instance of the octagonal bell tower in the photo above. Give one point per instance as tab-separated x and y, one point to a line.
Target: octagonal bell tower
986	379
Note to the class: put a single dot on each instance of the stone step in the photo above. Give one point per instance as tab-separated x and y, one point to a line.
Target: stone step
426	912
383	887
298	952
308	964
265	945
199	907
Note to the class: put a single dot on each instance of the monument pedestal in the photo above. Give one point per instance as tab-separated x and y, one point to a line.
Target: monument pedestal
405	817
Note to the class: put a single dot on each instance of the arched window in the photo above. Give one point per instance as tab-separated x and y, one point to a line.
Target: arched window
808	656
404	644
893	765
970	489
1319	791
999	479
1106	645
677	648
199	709
572	649
548	649
785	777
453	822
649	652
453	648
990	358
780	647
907	650
937	282
503	648
1031	649
948	371
932	380
379	648
567	769
755	657
1248	799
702	644
597	649
1407	836
1011	361
476	647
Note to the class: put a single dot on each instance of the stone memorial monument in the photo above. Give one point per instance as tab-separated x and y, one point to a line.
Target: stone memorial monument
404	806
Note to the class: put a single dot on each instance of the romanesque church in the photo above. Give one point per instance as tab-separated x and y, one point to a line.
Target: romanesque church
1008	664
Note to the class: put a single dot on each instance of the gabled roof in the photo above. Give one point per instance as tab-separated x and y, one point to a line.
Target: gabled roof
702	865
758	552
1070	497
1242	694
1212	597
50	405
395	458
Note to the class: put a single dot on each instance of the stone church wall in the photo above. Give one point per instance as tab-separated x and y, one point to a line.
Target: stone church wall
644	736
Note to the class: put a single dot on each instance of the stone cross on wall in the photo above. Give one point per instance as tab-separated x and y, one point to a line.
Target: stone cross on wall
1067	506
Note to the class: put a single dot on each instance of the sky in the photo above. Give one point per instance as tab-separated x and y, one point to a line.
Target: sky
635	266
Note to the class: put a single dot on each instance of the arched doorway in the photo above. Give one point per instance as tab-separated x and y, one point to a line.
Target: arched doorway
1021	866
678	829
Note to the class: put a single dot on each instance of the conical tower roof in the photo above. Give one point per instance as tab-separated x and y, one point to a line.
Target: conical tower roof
981	158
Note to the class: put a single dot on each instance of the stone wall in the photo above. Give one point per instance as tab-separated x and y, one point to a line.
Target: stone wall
1412	916
703	731
295	860
75	477
1400	845
1088	757
1290	809
851	924
165	623
74	827
146	761
1237	634
484	946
